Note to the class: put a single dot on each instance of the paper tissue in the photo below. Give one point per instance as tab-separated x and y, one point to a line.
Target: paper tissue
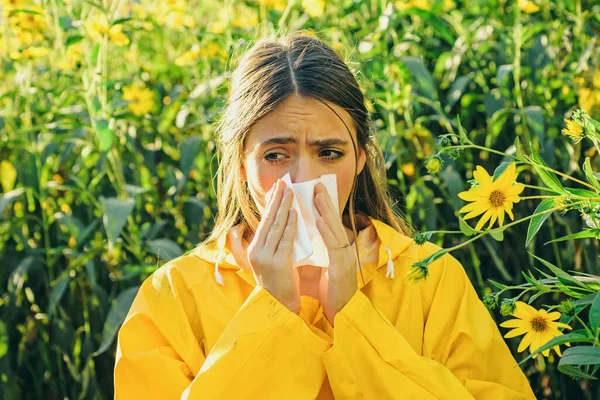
309	247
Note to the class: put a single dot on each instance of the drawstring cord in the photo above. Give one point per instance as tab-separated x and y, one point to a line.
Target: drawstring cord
390	264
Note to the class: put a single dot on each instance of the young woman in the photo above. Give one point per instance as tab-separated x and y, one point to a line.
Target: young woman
234	319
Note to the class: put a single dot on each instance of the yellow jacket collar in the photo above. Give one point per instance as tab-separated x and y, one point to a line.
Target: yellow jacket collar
392	243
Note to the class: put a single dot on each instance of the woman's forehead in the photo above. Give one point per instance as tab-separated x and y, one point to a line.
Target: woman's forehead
302	120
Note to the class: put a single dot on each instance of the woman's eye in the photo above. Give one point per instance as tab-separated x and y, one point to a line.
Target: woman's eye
337	154
329	154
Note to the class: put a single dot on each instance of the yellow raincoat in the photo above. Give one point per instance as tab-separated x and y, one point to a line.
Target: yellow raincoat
200	328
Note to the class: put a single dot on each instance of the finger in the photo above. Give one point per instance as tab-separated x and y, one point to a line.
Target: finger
269	216
327	211
279	224
285	246
328	237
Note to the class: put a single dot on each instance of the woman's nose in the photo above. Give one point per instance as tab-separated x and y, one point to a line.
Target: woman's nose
305	169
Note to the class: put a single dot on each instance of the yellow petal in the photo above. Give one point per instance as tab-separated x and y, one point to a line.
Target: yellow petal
514	190
480	210
524	310
525	342
536	342
513	323
481	176
493	219
483	219
562	325
500	217
468	208
516	332
508	176
474	194
553	316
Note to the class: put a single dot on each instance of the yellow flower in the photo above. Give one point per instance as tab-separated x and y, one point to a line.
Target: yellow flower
30	52
596	79
314	8
433	165
245	17
492	198
142	99
573	130
74	55
220	23
97	27
31	21
539	328
408	169
191	56
8	175
420	4
528	6
278	5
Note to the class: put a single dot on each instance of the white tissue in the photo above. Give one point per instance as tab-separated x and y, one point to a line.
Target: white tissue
309	247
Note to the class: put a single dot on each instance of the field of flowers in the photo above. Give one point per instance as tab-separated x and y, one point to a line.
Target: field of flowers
487	112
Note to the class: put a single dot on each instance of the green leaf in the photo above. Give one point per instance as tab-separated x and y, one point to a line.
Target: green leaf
105	135
465	228
495	125
535	119
115	216
94	54
118	311
595	314
7	198
164	248
548	177
57	293
3	339
498	285
518	148
580	355
456	90
536	222
73	39
502	73
585	234
189	150
581	193
497	234
420	75
121	21
589	174
559	273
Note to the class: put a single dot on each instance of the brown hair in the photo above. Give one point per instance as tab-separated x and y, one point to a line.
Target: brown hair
268	73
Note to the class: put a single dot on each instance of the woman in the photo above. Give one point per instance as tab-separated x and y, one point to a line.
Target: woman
234	320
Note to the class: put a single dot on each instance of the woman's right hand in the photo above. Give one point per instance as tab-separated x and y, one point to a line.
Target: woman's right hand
270	253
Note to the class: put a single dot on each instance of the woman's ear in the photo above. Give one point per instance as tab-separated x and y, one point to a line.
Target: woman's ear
362	159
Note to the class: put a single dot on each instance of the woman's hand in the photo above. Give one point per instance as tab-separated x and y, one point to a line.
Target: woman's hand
339	282
271	251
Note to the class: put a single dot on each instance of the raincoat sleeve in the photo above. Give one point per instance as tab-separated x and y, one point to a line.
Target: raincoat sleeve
464	355
266	349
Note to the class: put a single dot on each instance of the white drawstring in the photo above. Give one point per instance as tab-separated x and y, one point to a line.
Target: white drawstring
218	276
390	264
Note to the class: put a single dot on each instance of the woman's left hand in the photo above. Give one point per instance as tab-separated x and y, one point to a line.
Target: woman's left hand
338	282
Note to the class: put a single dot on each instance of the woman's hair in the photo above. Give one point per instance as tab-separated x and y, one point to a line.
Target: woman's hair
267	74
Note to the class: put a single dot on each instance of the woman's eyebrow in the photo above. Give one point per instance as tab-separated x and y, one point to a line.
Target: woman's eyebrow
293	140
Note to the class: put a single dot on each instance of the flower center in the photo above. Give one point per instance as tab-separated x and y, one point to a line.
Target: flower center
497	198
539	324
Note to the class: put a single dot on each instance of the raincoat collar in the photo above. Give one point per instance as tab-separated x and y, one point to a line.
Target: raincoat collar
392	243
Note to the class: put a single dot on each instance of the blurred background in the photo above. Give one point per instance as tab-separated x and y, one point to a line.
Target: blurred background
107	115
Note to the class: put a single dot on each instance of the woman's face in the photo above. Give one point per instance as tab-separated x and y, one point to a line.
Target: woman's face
304	137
